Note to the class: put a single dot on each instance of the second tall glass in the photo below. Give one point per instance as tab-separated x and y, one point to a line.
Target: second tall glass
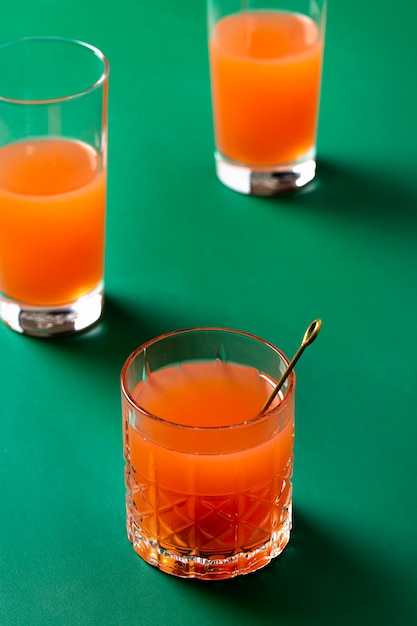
265	62
53	165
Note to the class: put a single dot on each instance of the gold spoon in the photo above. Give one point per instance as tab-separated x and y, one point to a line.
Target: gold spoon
309	336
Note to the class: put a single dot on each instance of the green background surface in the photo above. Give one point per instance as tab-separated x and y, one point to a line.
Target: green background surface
182	250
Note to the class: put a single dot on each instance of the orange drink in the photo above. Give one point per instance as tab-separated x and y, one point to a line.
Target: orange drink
265	82
269	62
208	477
53	169
52	207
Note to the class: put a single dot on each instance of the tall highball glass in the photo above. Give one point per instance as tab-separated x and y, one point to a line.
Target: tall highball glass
53	167
265	64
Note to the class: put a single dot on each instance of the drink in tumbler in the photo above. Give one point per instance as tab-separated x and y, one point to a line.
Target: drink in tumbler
208	478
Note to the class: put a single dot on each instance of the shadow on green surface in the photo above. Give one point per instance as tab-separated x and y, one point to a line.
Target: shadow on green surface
121	330
317	580
380	199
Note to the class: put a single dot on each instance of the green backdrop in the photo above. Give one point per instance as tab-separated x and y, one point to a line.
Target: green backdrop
182	250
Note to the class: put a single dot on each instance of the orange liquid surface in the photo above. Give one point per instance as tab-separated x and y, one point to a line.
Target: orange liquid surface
204	394
184	493
52	221
265	74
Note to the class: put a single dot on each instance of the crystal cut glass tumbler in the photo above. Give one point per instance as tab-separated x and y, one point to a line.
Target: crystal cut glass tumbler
208	474
53	165
265	66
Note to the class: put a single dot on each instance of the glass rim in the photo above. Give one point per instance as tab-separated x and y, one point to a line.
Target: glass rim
256	420
66	40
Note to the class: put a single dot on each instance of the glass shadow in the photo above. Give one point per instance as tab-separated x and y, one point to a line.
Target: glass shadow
316	580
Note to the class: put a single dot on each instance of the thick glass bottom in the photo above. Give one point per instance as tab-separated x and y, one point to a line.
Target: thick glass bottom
264	181
215	567
51	321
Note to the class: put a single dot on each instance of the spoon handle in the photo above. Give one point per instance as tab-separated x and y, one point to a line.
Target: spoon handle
309	336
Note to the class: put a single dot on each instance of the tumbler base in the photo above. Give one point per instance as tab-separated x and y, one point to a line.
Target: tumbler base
213	567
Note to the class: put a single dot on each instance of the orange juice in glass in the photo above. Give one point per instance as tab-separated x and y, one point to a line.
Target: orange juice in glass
265	65
208	475
53	167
